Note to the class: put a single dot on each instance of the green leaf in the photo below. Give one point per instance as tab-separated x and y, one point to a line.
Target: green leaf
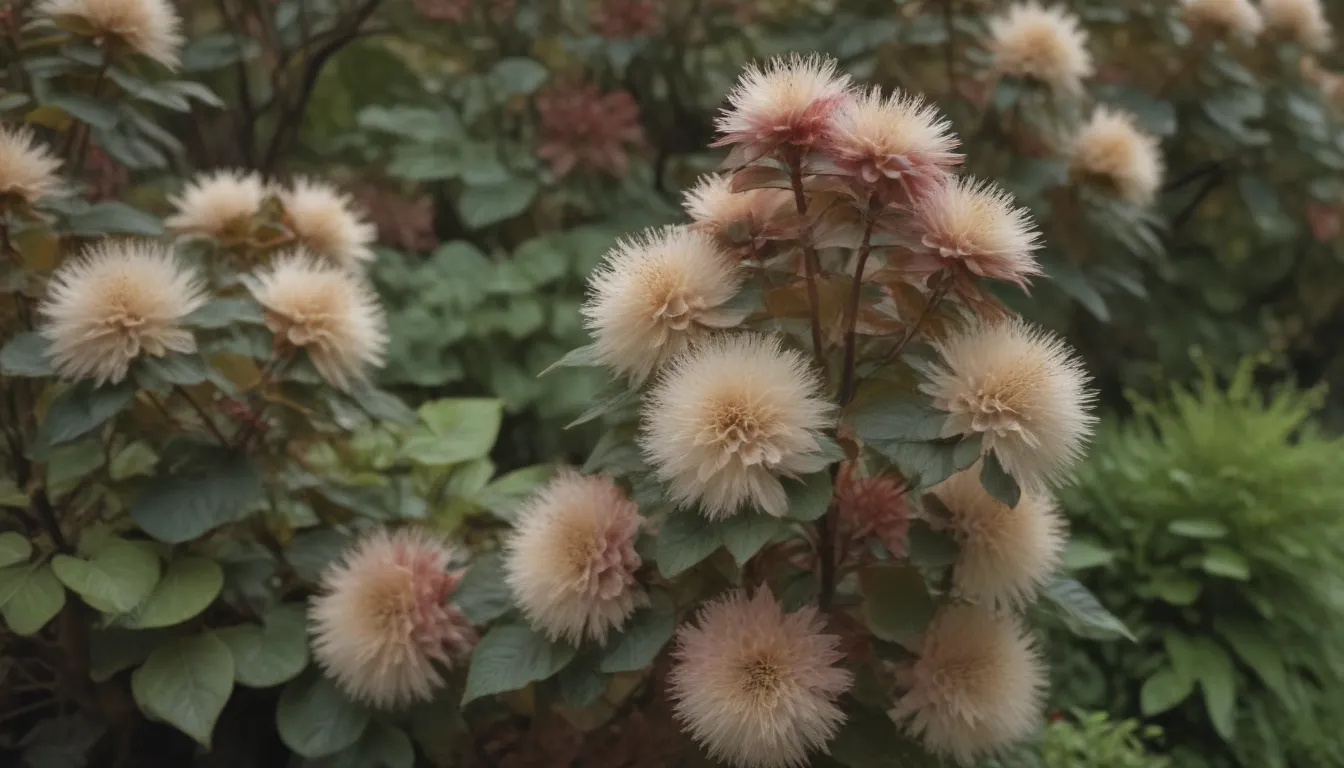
929	463
315	719
14	549
931	548
1164	690
86	110
503	495
112	650
217	51
509	657
164	372
542	259
217	488
271	653
581	683
134	460
1081	554
483	595
1226	563
684	539
1175	588
455	430
1218	678
30	596
486	204
579	357
186	682
998	482
188	588
1198	529
897	605
640	640
518	75
809	496
82	409
113	218
224	312
11	495
746	532
880	413
1257	651
382	746
869	739
26	355
1081	613
115	580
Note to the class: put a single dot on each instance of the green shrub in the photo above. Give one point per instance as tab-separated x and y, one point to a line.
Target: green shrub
1093	740
1211	524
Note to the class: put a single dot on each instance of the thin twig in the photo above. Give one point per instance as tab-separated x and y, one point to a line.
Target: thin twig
811	264
935	299
21	711
200	411
949	50
852	308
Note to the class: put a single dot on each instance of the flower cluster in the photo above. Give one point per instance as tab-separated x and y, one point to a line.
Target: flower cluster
584	129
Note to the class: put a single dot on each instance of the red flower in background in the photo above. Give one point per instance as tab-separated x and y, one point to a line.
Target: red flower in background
457	10
873	506
588	130
403	222
624	18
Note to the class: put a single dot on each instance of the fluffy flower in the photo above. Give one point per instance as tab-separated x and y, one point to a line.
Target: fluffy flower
585	129
1006	554
571	559
715	207
730	416
1046	44
756	686
383	619
1221	18
1111	149
325	310
788	101
117	301
872	506
975	225
977	685
27	168
1022	389
1299	21
150	28
219	204
655	294
898	145
324	221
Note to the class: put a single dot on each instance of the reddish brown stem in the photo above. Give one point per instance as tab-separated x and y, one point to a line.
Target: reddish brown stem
811	264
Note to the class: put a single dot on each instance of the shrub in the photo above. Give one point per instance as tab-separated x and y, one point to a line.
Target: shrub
1092	740
1210	524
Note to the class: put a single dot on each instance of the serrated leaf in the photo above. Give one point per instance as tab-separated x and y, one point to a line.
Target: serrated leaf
483	595
113	581
509	657
188	587
640	640
315	719
272	652
1081	612
186	682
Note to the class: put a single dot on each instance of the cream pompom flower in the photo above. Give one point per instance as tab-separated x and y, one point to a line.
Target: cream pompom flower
755	686
1223	18
788	101
657	293
1299	21
977	226
571	560
1111	150
219	204
383	619
150	28
1006	553
1046	44
977	685
726	419
27	169
898	145
117	301
1022	390
324	221
715	208
324	309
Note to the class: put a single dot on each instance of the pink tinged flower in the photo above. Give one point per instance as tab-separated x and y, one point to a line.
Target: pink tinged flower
1299	21
656	294
118	301
1111	152
730	417
584	129
977	686
975	226
755	686
1006	554
897	145
1022	390
873	506
383	622
789	101
1042	43
27	168
715	208
571	560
